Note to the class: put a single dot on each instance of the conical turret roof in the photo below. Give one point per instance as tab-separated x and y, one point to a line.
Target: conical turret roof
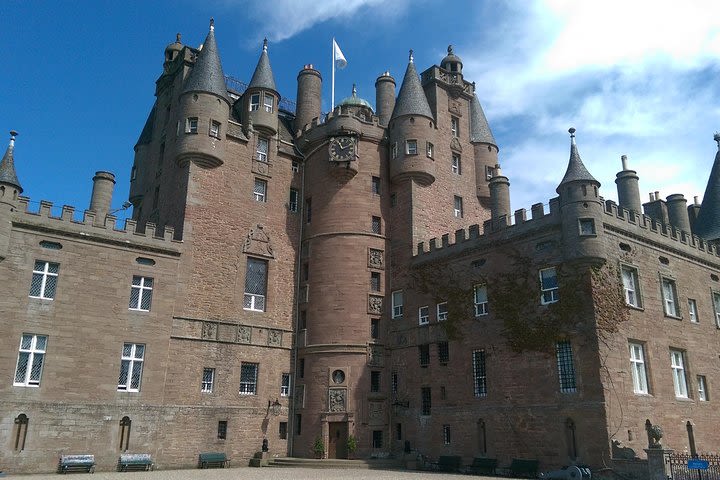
411	100
479	128
207	74
7	165
146	134
263	76
707	224
576	170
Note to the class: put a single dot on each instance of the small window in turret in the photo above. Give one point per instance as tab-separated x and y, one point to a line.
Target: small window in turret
430	149
269	103
214	129
411	147
191	125
254	102
394	150
587	227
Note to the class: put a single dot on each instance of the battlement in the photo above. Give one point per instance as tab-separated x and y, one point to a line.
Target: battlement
93	226
502	227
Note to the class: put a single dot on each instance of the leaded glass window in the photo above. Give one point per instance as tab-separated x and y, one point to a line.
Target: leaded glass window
566	366
141	293
255	284
30	360
131	364
479	375
44	280
248	378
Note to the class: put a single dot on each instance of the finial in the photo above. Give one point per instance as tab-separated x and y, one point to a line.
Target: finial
411	56
354	90
571	130
450	50
212	24
13	134
178	36
716	137
265	45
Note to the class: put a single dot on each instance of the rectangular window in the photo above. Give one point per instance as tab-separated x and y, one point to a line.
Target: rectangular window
424	352
549	291
430	150
30	360
285	385
374	381
295	167
566	366
308	210
248	378
458	206
191	125
141	293
44	280
377	439
255	284
208	379
293	203
282	431
692	310
397	304
269	103
394	383
480	299
426	400
411	147
716	307
376	185
446	434
443	352
678	373
479	375
456	164
374	328
489	172
261	150
298	424
424	315
442	311
631	286
670	298
131	364
637	365
455	126
254	102
586	226
222	430
214	129
374	281
398	431
376	225
394	150
702	388
260	190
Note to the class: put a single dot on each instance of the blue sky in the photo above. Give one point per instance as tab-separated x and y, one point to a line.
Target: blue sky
634	77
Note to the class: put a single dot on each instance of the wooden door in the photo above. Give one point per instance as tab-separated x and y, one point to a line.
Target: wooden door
338	432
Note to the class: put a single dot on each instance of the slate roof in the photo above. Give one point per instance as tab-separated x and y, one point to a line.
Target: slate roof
263	76
7	165
479	128
207	74
576	170
146	134
707	224
411	100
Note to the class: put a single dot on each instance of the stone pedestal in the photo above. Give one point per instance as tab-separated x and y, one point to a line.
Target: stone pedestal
657	467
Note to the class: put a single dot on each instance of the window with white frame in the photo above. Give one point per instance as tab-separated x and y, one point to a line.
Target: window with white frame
260	190
677	362
214	129
458	206
456	164
394	150
208	380
254	102
30	360
397	304
191	125
716	307
44	280
411	147
637	366
566	366
255	284
702	388
285	385
424	315
479	375
293	203
442	311
262	149
455	126
295	167
480	299
269	103
669	292
141	293
631	286
549	290
692	310
429	149
248	378
131	365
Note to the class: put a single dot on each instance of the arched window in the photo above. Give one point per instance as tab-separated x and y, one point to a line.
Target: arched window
125	424
21	425
570	437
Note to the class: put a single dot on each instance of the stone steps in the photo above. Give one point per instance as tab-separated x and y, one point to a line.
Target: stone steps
374	463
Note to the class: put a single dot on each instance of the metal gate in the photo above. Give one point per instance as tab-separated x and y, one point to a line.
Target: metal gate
678	463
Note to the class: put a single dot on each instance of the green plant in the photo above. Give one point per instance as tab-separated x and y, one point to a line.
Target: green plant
351	443
319	447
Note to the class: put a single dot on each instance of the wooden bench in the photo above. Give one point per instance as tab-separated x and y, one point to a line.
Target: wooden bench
134	461
76	463
213	460
524	468
482	466
448	463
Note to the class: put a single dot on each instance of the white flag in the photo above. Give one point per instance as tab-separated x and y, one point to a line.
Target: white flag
338	56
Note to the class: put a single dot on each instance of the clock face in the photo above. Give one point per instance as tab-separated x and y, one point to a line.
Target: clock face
342	149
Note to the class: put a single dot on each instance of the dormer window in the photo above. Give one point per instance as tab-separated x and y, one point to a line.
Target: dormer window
254	102
269	103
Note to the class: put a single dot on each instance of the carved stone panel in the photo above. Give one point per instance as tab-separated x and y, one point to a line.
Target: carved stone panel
336	400
376	258
455	107
261	168
455	145
274	338
376	357
257	242
209	331
244	334
375	304
376	413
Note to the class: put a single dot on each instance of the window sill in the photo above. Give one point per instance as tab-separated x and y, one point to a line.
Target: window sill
646	395
635	307
684	399
674	317
253	310
41	298
24	385
138	310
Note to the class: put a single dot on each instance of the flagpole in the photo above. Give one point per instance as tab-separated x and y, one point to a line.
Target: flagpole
332	89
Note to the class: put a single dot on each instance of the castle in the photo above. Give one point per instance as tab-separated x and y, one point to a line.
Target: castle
305	279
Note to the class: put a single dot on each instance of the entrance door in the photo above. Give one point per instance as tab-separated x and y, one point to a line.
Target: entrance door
338	433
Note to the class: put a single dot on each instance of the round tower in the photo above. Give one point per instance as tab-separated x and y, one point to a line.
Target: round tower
260	101
451	62
499	187
10	189
309	92
384	97
204	109
101	198
628	188
677	211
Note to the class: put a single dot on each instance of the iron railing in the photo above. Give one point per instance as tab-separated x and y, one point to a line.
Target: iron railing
239	87
679	469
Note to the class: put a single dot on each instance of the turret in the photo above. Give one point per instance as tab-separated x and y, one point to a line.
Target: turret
260	101
485	148
204	109
384	97
451	62
142	158
412	132
499	188
171	52
677	212
707	224
103	185
309	93
628	188
9	190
